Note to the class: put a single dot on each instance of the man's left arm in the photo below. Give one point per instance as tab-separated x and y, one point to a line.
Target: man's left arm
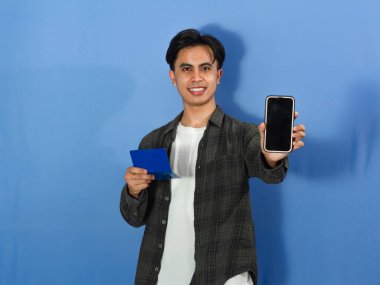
268	166
273	158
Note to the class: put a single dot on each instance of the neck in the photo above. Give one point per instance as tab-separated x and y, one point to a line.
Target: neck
197	116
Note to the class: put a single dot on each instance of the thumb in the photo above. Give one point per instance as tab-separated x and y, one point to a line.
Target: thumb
262	128
261	131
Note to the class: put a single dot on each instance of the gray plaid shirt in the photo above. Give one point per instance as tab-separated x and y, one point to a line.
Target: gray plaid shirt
228	155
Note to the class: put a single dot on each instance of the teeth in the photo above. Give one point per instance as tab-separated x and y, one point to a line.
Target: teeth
197	89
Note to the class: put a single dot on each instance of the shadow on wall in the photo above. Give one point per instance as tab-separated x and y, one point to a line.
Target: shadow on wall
50	123
349	151
321	159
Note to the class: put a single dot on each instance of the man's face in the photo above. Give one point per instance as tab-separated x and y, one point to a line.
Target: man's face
196	76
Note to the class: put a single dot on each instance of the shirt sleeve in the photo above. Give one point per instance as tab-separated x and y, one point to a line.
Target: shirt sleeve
133	209
255	161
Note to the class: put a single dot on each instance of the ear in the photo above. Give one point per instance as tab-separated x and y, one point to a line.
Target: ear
220	74
172	77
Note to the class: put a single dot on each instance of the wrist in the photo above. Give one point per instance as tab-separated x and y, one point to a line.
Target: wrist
271	163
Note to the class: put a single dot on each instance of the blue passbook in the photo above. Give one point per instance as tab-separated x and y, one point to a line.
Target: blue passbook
155	161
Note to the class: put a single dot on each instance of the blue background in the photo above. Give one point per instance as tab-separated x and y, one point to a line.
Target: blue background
82	81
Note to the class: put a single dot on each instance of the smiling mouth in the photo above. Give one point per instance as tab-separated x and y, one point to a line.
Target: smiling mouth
197	90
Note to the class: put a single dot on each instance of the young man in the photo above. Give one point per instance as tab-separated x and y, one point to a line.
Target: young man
199	228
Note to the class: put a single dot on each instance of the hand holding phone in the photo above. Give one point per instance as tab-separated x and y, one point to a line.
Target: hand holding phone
279	121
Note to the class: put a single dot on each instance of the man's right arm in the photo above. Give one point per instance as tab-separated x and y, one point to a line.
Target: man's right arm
134	196
133	209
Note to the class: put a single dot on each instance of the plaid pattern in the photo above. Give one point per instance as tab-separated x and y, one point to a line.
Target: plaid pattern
228	155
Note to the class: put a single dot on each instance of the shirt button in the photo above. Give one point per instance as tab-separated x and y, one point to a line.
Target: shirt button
156	269
159	245
135	214
166	198
163	222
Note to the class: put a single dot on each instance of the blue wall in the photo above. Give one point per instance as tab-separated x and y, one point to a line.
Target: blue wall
82	81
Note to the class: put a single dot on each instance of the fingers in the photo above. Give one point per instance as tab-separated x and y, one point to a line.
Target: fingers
137	189
136	170
299	132
298	144
139	182
137	179
298	135
135	173
299	128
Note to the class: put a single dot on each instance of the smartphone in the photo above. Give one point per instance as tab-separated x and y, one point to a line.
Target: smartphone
279	120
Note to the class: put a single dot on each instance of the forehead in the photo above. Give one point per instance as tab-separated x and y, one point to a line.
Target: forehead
195	55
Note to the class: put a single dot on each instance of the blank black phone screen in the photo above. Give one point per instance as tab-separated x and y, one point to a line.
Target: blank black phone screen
279	123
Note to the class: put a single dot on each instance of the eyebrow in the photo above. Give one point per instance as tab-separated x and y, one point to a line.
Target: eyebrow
206	64
202	64
185	64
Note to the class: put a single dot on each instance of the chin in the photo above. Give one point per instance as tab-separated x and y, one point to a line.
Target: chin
198	103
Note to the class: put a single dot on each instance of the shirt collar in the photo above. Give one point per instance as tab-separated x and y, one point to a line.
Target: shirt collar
216	118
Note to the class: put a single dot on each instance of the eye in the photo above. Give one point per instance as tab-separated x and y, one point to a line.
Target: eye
206	68
186	68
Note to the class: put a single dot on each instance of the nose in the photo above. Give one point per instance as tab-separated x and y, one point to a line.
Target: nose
197	76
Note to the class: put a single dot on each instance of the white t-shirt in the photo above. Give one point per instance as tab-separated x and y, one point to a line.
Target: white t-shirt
178	264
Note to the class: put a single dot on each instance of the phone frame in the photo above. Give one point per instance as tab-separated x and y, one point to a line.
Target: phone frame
266	114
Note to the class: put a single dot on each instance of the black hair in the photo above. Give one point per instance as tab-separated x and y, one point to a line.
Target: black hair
192	38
